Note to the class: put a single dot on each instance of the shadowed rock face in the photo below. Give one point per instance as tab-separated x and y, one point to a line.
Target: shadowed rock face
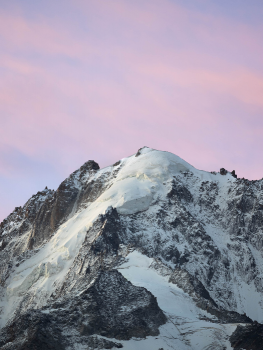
111	306
248	337
179	192
45	211
41	333
121	310
56	211
109	237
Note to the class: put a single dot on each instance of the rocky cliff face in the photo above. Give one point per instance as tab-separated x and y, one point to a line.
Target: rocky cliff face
150	249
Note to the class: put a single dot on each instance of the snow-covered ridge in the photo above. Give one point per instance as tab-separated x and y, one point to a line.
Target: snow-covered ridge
206	224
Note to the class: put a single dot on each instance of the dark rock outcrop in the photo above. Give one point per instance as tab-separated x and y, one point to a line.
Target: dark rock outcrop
139	151
248	337
120	310
233	173
111	306
32	331
109	236
223	171
117	163
179	192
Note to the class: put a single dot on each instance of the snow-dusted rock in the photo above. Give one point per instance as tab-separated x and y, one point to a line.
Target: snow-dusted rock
190	238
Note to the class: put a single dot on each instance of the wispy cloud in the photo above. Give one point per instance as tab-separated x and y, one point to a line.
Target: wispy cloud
102	78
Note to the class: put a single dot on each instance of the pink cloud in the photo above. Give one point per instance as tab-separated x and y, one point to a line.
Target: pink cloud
140	78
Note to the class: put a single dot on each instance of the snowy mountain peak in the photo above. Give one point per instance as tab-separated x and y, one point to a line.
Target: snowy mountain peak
188	241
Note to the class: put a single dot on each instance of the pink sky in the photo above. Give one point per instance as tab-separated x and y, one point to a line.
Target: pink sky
99	79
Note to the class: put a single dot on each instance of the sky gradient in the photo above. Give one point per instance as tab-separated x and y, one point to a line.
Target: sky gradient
99	79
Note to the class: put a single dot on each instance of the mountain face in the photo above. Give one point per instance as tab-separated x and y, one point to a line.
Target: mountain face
149	253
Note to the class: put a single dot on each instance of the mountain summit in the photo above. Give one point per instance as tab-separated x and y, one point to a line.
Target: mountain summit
149	253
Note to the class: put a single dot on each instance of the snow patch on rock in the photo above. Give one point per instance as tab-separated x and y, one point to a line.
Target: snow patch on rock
184	329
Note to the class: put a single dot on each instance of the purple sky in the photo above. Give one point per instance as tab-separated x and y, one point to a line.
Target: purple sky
99	79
